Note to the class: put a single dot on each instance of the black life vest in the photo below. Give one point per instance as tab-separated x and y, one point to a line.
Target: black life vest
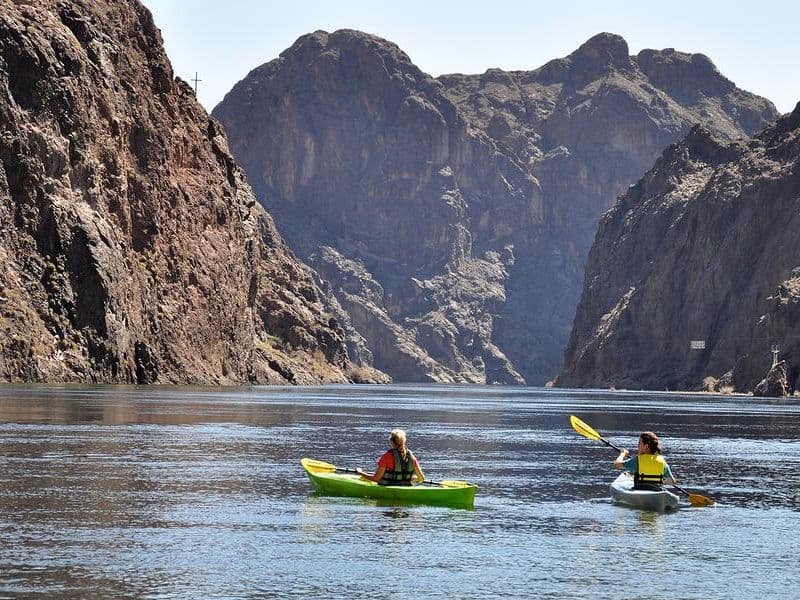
402	472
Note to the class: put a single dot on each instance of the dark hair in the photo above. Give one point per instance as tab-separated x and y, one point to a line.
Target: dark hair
651	441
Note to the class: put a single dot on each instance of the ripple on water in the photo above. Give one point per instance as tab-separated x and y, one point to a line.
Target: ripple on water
115	492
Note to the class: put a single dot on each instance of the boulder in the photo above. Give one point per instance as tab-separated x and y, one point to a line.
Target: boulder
774	384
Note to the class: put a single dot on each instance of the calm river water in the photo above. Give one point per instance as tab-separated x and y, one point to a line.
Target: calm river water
111	492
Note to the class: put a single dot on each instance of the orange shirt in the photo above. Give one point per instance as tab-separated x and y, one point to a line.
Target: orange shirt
387	461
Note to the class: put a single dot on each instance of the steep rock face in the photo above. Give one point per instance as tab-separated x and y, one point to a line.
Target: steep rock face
131	248
470	202
703	248
356	149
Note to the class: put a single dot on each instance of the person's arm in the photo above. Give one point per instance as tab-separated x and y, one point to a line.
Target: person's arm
384	462
668	476
376	476
420	475
620	462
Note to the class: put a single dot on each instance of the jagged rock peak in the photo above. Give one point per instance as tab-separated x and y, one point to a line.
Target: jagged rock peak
683	75
601	53
362	59
702	144
702	240
698	61
310	43
495	75
601	50
782	138
789	122
793	120
320	40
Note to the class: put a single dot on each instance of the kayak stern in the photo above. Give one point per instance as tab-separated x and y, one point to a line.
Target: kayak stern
622	493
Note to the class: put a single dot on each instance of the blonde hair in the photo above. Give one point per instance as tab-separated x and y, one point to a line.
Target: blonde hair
398	438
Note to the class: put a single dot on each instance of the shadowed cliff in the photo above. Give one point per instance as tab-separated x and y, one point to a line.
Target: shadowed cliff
449	219
704	247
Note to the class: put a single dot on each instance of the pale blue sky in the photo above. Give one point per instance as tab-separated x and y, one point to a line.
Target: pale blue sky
756	45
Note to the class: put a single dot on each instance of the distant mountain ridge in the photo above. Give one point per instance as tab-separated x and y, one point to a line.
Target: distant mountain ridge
449	219
703	248
131	248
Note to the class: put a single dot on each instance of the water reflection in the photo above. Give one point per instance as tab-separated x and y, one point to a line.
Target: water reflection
130	492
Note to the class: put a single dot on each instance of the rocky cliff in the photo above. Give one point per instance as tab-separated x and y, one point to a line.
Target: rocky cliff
449	219
131	248
703	248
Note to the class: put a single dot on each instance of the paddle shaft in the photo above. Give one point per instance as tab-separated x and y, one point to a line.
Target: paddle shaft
689	494
607	443
419	482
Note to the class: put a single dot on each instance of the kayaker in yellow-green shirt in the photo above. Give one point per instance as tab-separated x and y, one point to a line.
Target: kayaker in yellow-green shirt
398	465
650	470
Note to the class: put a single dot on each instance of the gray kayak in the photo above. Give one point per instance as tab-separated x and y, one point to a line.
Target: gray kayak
622	492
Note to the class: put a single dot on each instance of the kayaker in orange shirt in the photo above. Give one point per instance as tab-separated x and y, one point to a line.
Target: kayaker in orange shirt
649	469
398	465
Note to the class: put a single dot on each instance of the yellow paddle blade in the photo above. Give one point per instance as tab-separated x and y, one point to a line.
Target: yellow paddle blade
454	483
694	499
583	428
700	500
317	465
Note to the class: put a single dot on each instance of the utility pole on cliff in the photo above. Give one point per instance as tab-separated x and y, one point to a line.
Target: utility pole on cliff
776	349
196	80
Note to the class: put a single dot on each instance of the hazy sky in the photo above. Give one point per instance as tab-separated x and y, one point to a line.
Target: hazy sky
755	44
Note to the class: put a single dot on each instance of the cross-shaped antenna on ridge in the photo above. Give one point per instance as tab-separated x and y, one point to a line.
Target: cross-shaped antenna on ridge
196	80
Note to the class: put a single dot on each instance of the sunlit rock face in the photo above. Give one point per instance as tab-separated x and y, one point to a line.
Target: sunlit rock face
450	218
703	248
131	248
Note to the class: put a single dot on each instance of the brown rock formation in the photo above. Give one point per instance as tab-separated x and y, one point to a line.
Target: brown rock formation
774	385
467	204
704	247
131	248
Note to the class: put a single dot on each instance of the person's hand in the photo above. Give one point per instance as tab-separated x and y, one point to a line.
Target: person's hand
359	471
625	452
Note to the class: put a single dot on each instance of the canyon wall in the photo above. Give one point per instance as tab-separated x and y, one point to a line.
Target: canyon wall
132	250
449	220
704	248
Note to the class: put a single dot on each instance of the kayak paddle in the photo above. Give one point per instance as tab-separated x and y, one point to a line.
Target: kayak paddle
588	432
695	499
323	466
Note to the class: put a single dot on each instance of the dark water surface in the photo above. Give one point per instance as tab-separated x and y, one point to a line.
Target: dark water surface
113	492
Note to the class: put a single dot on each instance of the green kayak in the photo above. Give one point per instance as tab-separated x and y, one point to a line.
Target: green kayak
331	481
